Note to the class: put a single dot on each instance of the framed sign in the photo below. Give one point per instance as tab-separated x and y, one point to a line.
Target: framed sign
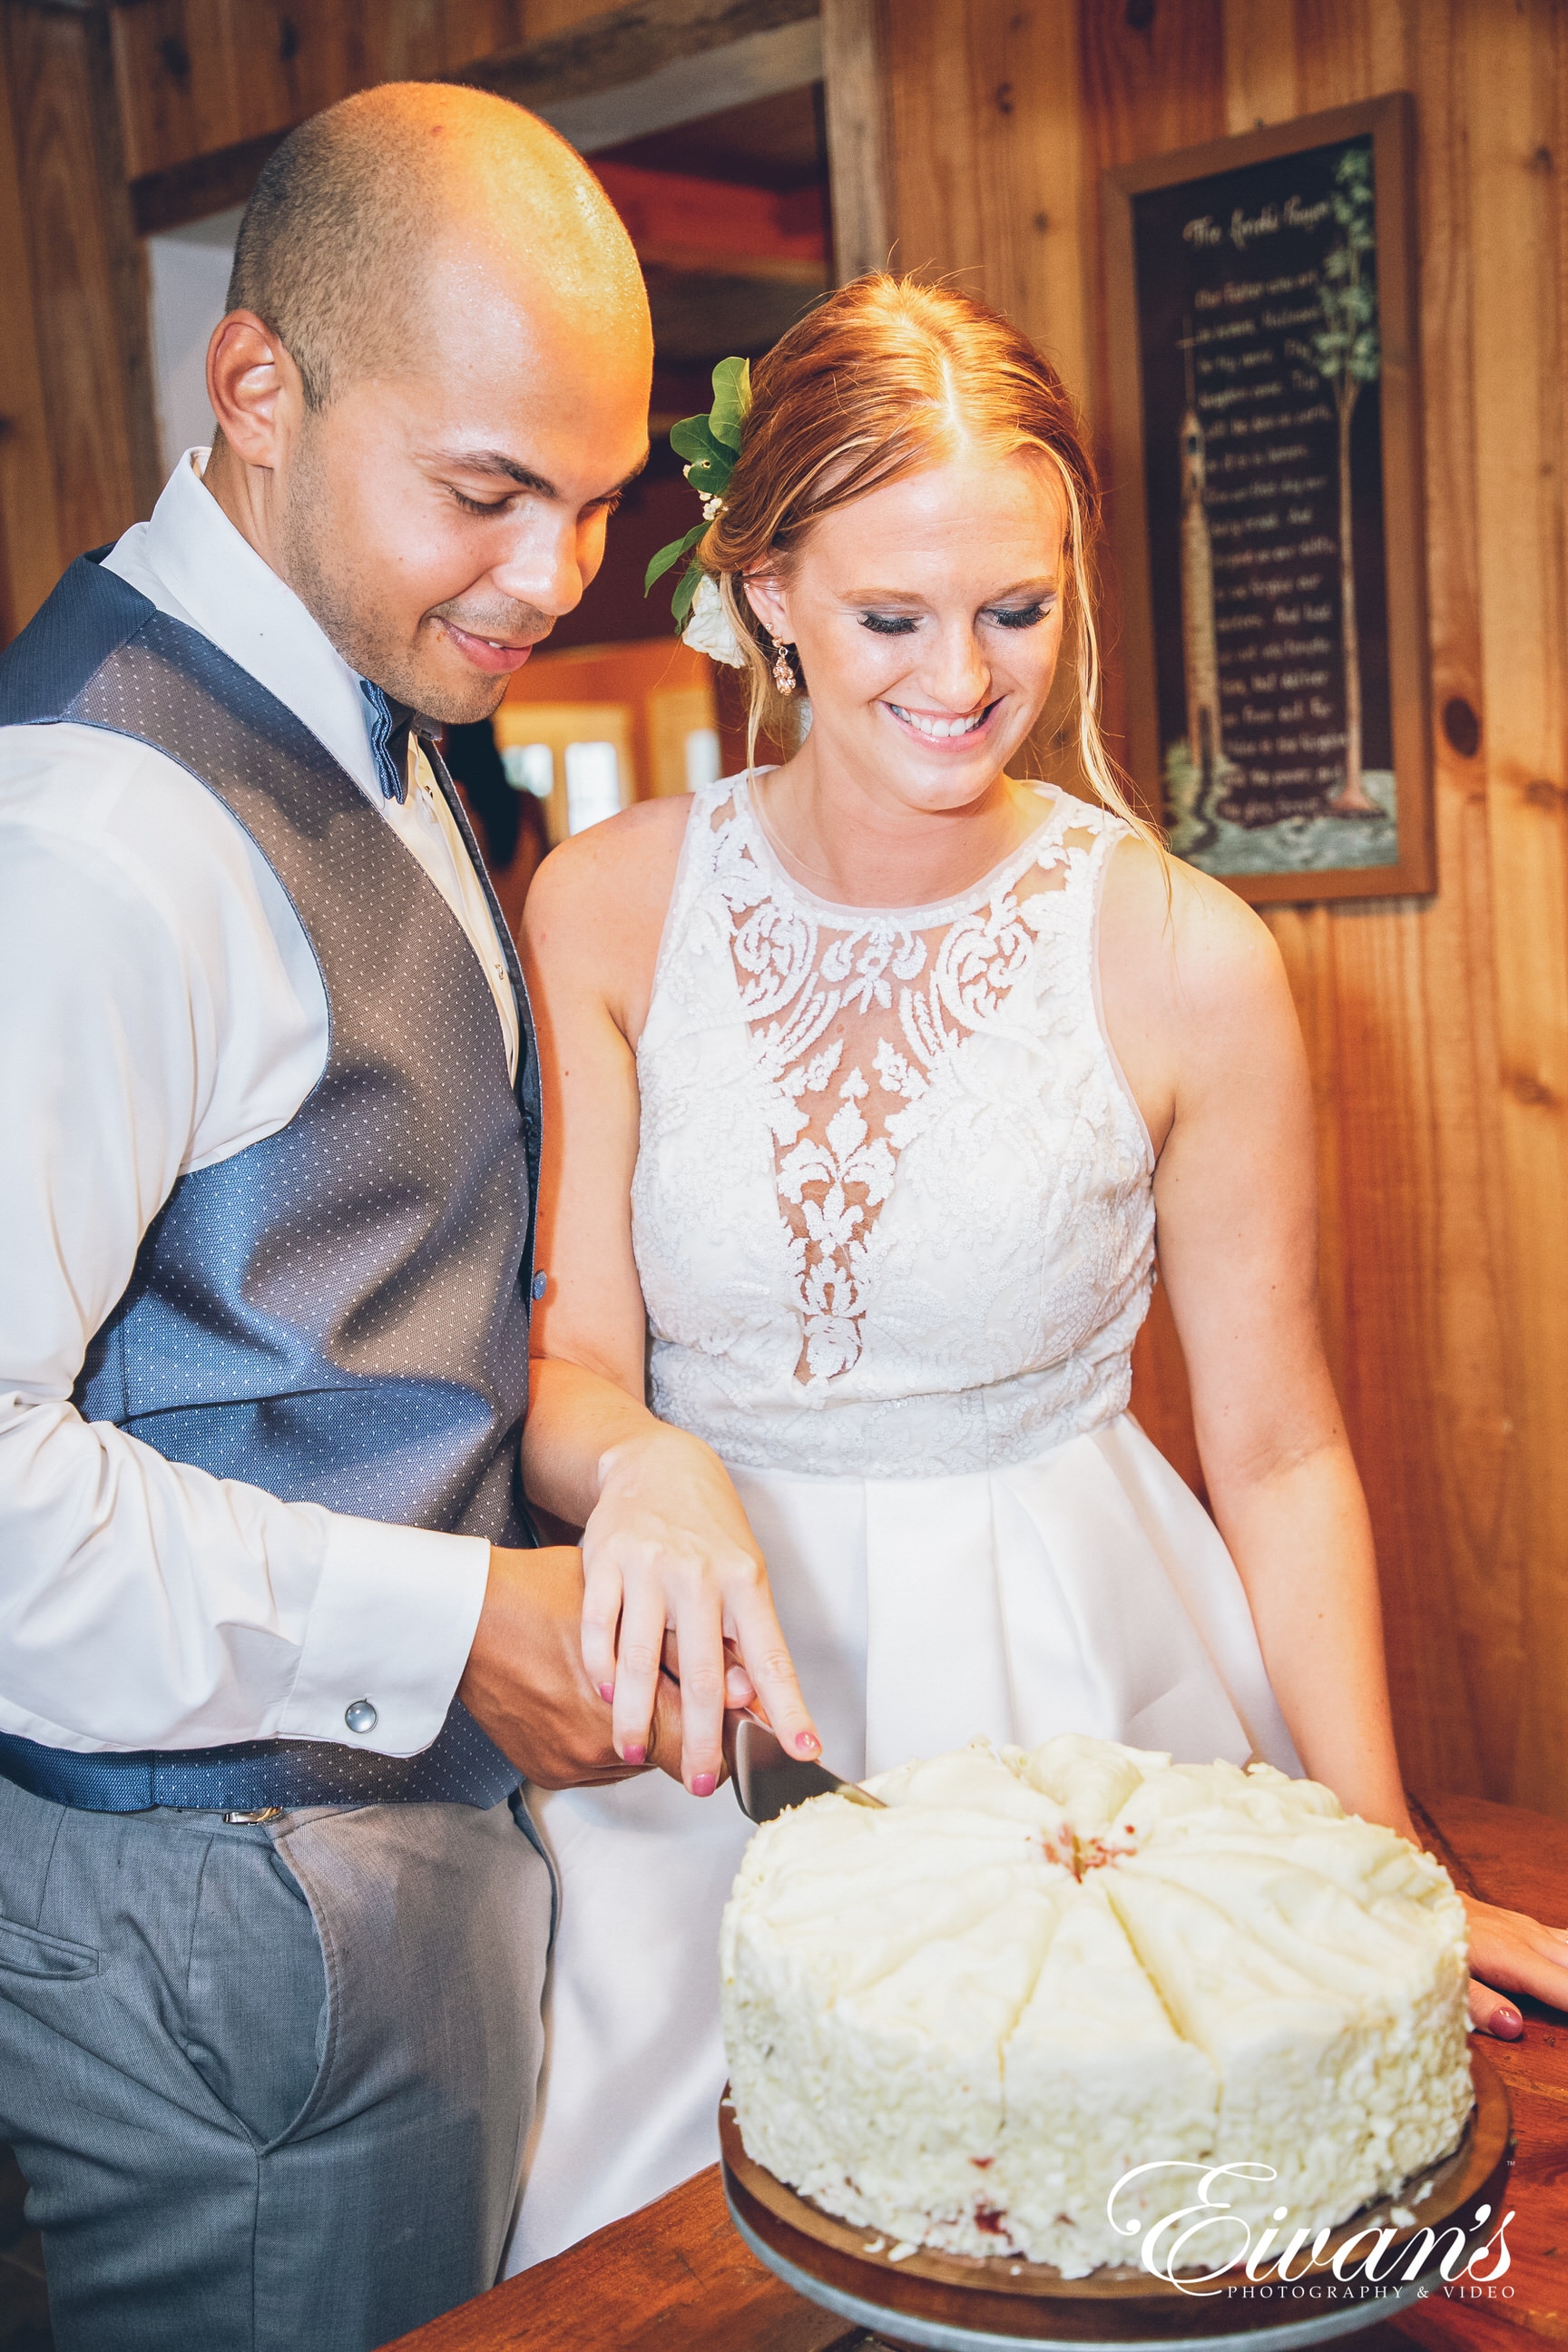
1266	482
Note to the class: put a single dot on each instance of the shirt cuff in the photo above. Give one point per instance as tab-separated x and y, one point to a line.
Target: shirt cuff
389	1634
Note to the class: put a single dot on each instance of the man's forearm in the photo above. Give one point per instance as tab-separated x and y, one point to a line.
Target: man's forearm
1302	1543
147	1605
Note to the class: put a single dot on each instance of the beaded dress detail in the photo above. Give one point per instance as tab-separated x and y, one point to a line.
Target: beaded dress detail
892	1210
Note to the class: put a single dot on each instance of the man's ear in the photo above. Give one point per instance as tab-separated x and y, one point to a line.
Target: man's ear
770	604
255	388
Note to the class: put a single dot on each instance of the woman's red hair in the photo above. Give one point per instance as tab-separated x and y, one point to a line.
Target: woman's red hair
882	379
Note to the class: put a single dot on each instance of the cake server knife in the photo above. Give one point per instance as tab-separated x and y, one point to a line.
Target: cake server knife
769	1780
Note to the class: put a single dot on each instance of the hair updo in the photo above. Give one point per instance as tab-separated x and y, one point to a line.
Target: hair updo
882	378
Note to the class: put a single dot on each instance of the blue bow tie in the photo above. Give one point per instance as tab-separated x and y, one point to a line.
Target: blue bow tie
388	724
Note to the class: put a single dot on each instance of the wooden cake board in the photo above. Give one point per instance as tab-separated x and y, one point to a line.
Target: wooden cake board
955	2303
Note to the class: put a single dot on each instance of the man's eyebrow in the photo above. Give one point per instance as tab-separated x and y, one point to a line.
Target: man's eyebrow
497	462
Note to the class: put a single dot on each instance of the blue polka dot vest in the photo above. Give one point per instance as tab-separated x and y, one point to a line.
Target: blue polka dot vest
338	1313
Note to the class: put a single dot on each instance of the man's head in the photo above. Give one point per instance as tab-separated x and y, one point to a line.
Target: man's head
432	381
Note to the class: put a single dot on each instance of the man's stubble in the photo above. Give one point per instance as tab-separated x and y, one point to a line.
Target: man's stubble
341	592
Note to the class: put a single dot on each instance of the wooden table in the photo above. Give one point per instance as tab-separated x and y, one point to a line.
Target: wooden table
676	2278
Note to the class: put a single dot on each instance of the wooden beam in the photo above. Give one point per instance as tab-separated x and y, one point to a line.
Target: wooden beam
677	221
87	273
628	45
859	146
758	65
1515	66
203	185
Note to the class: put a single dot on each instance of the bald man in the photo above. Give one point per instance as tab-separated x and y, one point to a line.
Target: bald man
274	1647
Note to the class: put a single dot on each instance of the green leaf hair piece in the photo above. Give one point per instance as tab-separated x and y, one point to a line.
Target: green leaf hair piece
710	444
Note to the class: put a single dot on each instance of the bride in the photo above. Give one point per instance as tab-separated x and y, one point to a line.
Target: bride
872	1081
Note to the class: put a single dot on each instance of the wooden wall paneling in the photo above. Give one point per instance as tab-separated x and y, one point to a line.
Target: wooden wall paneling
401	40
989	166
855	48
931	138
1260	83
483	28
1452	1584
178	82
1515	157
1414	1264
31	550
1397	1008
197	77
1474	1376
87	273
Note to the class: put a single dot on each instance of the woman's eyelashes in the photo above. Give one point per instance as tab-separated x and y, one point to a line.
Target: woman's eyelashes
1006	617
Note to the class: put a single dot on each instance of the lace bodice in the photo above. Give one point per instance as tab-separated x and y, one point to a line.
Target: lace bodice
892	1209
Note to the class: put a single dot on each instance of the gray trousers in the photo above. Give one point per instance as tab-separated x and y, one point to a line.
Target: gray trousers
268	2083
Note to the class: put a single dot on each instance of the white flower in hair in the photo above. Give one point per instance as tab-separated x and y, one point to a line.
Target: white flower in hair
709	629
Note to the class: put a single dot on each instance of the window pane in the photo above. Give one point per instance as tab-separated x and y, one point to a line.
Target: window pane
529	768
701	758
593	785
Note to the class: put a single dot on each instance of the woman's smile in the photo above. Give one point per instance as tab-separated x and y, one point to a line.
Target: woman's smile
945	730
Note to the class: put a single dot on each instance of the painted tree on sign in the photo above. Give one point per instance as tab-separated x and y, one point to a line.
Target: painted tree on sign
1347	354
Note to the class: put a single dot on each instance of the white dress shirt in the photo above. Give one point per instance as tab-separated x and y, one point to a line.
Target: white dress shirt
164	1011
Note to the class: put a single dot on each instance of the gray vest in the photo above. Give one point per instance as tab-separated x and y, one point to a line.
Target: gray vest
338	1313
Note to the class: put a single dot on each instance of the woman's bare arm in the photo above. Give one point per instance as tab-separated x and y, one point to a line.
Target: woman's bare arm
1201	1018
667	1548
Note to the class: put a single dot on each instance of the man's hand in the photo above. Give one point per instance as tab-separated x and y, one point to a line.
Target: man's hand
526	1686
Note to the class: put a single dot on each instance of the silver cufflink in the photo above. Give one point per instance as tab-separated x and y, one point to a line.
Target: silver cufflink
360	1716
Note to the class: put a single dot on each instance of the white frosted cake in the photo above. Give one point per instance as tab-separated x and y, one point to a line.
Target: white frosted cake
962	2020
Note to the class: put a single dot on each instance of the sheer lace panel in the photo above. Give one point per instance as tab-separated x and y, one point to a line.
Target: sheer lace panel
856	1019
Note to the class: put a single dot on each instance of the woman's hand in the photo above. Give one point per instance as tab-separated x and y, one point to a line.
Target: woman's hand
668	1551
1511	1949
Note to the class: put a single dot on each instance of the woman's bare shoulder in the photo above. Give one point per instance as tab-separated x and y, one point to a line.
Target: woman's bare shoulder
1186	938
623	861
596	909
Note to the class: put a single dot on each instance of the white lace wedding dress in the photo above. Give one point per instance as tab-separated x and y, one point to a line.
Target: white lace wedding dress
893	1218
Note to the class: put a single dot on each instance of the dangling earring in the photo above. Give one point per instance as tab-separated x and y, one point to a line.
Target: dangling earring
783	670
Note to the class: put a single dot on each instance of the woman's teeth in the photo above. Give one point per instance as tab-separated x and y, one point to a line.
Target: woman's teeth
941	728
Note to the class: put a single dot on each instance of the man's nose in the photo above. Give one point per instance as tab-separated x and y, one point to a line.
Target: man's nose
544	567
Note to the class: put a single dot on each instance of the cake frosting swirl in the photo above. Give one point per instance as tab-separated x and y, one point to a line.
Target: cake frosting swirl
963	2020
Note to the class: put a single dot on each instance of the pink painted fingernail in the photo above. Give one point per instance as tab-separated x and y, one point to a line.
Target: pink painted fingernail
704	1783
807	1742
1509	2021
607	1693
637	1755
